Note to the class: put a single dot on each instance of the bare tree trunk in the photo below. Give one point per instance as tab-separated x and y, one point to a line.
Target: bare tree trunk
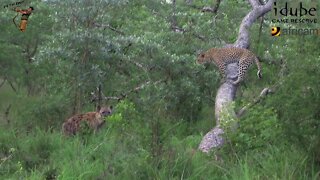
99	105
226	92
3	81
31	87
6	114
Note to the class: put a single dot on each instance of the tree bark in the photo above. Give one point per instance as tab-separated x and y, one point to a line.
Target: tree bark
227	91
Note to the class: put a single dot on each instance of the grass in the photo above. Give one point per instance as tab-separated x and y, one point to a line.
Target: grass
125	151
48	154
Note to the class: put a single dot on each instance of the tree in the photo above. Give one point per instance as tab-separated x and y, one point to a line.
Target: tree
227	91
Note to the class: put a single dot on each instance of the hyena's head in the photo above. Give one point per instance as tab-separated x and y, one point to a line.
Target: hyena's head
106	111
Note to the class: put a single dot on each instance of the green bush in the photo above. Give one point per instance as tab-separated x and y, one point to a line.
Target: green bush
259	128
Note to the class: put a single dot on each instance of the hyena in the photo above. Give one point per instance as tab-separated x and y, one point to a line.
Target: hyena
94	119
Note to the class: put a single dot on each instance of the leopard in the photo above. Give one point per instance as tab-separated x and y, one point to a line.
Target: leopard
94	120
224	56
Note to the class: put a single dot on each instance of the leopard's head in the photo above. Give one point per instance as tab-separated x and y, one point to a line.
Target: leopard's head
203	58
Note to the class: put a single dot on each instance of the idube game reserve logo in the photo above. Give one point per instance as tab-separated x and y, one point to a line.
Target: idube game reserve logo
295	18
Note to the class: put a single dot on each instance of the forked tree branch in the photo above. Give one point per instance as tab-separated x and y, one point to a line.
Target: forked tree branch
176	28
262	95
107	26
212	9
3	81
124	95
257	11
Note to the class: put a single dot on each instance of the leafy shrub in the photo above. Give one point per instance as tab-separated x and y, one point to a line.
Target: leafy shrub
257	129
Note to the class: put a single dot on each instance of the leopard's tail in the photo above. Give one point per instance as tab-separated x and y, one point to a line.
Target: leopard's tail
259	67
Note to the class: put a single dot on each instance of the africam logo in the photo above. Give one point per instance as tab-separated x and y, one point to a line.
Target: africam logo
25	13
275	31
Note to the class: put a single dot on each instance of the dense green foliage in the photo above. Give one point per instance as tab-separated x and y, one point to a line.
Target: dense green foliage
143	52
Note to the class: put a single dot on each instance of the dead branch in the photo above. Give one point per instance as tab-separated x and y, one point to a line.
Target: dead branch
257	11
181	30
139	65
260	30
6	114
126	94
13	88
211	9
176	28
99	105
29	54
173	16
263	94
2	83
107	26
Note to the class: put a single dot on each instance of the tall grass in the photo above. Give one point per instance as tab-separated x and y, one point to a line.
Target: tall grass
49	155
124	149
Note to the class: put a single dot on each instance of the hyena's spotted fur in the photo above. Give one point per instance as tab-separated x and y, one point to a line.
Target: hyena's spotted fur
94	119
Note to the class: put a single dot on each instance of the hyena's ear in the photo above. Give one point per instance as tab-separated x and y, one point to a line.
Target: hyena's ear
98	108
